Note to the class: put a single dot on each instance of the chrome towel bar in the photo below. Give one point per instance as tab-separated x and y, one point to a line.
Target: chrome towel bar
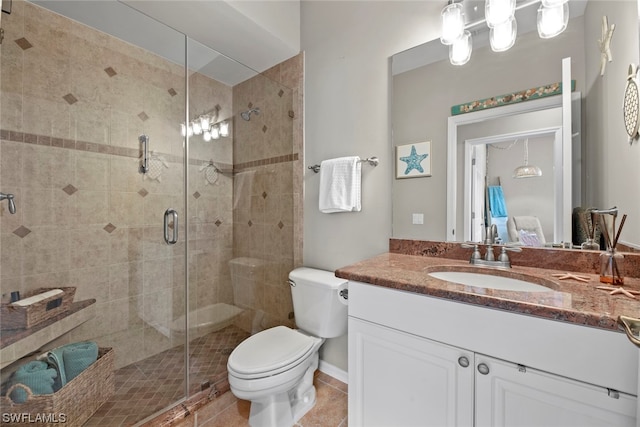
373	161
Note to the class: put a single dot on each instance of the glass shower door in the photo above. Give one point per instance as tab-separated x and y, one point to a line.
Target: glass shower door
81	83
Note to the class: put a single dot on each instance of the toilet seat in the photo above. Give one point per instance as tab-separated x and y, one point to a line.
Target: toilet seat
270	352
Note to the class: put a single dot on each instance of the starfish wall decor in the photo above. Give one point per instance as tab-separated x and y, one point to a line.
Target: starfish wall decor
605	44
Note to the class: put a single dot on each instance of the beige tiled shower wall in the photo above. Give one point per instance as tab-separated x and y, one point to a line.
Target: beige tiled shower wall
73	104
267	213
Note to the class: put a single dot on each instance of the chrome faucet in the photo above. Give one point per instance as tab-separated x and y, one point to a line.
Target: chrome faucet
12	204
489	259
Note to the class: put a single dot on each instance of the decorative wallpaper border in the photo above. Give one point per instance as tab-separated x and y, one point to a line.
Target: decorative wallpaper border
511	98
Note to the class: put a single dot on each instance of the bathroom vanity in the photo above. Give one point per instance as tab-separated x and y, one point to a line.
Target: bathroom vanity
424	351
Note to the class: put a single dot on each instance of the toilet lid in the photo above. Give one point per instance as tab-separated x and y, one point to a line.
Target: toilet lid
270	350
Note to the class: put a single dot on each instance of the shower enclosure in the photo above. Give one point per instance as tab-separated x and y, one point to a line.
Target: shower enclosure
137	181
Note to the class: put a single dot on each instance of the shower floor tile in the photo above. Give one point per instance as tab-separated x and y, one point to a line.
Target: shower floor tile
157	382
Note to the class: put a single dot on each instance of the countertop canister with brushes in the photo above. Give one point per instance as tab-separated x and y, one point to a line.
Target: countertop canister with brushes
611	261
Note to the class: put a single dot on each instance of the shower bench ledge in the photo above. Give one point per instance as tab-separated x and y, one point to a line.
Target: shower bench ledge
18	343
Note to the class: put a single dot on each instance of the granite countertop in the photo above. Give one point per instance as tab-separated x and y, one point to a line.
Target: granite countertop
567	300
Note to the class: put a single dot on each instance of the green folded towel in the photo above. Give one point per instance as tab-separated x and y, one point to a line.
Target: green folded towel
36	375
78	357
55	360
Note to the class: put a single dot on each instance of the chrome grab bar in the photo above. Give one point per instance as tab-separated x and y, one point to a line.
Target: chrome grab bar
144	140
173	239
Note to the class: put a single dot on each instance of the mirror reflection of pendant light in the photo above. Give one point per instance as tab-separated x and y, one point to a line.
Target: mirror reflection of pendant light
526	170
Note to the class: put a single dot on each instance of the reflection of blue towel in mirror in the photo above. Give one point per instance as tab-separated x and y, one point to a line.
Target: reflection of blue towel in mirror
496	202
498	211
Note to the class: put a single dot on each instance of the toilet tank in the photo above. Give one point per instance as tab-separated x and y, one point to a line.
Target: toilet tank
317	304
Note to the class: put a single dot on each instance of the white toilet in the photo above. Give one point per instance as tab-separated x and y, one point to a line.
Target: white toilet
274	368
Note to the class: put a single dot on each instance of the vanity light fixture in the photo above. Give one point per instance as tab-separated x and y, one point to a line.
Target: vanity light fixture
203	125
526	170
553	17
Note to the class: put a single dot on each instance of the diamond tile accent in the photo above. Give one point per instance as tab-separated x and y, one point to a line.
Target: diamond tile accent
264	194
70	98
172	92
109	228
250	223
196	195
218	223
143	192
69	189
21	231
23	43
250	105
264	128
280	225
143	116
280	93
292	114
110	71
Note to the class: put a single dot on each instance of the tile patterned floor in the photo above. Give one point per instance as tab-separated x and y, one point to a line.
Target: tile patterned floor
152	384
228	411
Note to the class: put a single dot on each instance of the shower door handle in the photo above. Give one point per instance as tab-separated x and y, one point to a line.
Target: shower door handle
173	238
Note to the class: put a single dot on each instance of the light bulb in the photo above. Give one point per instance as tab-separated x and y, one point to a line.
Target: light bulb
452	23
206	136
224	129
197	129
215	132
183	129
189	130
552	20
503	36
460	51
553	3
205	121
497	12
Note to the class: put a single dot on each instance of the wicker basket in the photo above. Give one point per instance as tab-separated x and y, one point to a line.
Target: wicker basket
17	317
72	405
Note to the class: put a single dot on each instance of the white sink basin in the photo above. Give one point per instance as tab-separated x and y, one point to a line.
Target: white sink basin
488	281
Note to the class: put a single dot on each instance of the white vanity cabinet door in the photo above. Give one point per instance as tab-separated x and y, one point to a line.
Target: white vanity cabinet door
511	395
399	379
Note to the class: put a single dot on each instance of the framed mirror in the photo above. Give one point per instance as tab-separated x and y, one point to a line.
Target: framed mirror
425	86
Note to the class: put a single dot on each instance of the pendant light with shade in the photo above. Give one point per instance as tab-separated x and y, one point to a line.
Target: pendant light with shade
527	170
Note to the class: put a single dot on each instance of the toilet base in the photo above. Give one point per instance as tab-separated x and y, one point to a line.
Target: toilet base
285	409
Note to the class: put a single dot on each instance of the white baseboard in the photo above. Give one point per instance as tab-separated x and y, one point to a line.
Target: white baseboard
333	371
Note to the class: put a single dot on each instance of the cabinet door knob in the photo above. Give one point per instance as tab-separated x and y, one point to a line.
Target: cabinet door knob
463	361
483	369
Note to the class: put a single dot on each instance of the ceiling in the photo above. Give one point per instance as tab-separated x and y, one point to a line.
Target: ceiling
255	35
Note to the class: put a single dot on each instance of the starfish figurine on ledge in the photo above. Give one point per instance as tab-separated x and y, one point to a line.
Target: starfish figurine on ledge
619	290
564	276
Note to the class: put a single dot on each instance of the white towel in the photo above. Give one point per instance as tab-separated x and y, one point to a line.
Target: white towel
340	185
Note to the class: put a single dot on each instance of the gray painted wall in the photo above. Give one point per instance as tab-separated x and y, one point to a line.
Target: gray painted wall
347	48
